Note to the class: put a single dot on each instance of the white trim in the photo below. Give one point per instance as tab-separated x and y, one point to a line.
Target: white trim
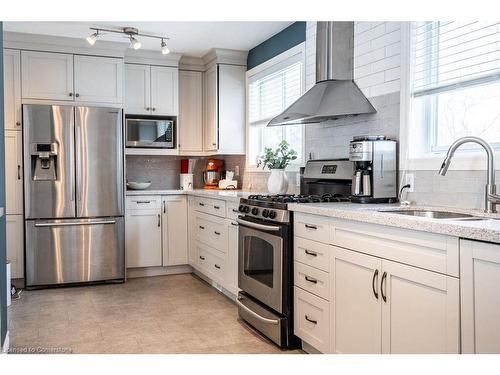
463	160
133	273
6	344
298	49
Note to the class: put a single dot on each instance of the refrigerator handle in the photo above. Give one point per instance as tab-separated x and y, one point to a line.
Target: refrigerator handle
72	162
71	223
78	140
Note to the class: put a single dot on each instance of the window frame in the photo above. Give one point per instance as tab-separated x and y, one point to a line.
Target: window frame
296	50
430	158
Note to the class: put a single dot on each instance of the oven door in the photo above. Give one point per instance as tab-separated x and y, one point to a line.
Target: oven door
260	264
150	133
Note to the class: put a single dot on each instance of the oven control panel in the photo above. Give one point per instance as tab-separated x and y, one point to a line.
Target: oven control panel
266	213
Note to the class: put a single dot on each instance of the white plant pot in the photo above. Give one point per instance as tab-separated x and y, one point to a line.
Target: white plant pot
277	182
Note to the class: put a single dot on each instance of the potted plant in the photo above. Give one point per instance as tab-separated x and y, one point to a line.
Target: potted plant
277	160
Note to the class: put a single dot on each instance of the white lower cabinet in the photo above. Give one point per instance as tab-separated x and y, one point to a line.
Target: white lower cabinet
15	244
174	228
480	296
381	306
143	232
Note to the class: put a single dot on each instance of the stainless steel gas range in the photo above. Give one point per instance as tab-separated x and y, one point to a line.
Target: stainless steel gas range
265	249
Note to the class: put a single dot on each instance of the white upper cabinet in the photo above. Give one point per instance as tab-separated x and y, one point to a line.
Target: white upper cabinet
98	79
480	297
224	109
12	89
138	89
210	110
13	172
420	311
164	91
47	75
190	124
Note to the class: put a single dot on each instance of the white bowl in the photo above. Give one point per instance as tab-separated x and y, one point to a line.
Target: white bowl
134	185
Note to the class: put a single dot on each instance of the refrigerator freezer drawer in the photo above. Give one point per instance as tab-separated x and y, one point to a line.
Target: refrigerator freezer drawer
74	251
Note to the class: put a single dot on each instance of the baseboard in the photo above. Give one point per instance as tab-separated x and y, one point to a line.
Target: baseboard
309	349
215	285
158	271
6	343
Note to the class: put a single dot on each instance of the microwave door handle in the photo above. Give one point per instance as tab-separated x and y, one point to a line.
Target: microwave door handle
258	226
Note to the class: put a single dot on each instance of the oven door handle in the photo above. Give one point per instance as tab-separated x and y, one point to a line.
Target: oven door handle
255	315
258	226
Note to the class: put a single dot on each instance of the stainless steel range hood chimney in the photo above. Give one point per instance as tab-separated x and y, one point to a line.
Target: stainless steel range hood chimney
335	93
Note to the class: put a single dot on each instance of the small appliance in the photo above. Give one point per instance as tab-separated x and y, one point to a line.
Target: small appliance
186	181
213	173
375	171
228	182
150	131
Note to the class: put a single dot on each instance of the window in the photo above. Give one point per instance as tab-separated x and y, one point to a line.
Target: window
272	87
455	85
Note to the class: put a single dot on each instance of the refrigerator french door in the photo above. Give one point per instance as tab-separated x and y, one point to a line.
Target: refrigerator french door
74	199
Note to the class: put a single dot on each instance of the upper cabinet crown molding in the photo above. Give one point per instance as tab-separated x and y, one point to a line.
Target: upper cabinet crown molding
152	58
225	56
192	63
49	43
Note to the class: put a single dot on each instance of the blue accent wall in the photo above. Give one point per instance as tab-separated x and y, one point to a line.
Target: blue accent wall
278	43
3	249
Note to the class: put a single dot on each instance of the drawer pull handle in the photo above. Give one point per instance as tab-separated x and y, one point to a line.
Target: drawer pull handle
384	276
375	276
310	320
217	233
217	207
142	202
311	280
217	266
202	204
235	210
18	172
233	223
309	226
312	253
201	227
202	258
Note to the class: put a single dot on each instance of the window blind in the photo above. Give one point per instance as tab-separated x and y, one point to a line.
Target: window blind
274	90
450	55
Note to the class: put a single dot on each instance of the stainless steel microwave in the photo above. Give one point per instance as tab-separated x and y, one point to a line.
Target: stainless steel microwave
150	131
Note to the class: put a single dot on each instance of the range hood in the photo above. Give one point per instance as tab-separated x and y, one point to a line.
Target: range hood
335	93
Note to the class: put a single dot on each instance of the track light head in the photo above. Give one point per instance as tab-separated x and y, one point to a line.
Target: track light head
92	38
135	43
164	48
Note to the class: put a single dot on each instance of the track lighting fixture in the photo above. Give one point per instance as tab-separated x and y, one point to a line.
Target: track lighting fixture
164	48
132	33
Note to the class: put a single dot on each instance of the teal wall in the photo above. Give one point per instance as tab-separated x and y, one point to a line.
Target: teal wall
279	43
3	281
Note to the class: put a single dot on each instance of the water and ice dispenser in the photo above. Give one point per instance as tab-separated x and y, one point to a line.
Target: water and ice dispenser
44	161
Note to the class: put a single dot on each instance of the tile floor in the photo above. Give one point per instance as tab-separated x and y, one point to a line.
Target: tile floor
164	314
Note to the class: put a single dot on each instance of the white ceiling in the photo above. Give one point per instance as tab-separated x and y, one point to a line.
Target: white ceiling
191	38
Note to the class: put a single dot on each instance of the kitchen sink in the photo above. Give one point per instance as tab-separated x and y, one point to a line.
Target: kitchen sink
432	214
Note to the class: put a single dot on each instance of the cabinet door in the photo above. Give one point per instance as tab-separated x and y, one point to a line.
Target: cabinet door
175	237
420	313
15	244
98	79
47	75
12	89
231	274
137	89
164	91
190	124
210	141
231	109
143	238
356	313
479	282
13	172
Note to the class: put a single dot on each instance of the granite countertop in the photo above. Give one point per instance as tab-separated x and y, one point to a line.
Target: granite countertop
484	230
227	195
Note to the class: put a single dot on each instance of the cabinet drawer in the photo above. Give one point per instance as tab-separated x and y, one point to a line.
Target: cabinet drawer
211	231
312	320
215	207
232	210
141	202
211	265
312	280
312	227
312	253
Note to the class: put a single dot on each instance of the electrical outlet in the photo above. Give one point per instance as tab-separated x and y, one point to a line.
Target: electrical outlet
410	179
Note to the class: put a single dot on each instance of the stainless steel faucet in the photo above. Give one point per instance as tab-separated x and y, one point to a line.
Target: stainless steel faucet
491	198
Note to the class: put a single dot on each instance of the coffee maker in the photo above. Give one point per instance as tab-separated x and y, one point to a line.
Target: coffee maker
375	170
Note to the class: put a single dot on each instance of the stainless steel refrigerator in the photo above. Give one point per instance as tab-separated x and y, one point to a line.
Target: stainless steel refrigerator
74	196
